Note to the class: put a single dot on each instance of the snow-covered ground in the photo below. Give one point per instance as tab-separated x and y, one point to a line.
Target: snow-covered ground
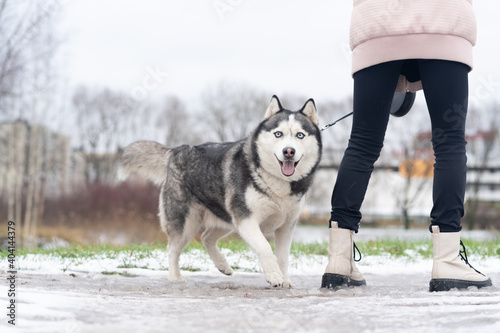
68	295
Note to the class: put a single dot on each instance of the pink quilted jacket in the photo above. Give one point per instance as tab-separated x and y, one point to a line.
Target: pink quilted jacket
386	30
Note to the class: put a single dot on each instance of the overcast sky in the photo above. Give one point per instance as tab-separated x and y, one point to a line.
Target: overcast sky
280	46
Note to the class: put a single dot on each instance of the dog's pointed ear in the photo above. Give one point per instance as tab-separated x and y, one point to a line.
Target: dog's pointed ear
273	108
309	109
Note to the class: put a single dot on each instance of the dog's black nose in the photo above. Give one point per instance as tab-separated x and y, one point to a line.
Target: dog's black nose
288	152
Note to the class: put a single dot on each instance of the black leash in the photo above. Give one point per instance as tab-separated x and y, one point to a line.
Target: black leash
336	121
401	105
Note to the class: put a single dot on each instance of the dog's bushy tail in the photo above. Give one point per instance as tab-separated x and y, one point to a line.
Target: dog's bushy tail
147	159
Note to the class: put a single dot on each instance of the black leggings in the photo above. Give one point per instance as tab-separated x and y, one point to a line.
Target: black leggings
445	86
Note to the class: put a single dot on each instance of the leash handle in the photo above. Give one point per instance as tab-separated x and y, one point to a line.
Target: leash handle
336	121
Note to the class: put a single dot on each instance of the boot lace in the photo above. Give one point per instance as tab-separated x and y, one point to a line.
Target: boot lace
354	250
463	256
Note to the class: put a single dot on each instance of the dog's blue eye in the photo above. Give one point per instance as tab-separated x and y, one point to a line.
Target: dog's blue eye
301	135
278	134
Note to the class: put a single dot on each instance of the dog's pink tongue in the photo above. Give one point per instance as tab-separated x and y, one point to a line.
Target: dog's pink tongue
288	168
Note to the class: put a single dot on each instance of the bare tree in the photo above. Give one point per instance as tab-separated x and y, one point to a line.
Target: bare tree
232	110
173	121
104	119
33	192
481	147
27	48
12	165
24	25
40	100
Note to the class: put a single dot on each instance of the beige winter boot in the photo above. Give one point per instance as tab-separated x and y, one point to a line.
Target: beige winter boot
341	269
451	268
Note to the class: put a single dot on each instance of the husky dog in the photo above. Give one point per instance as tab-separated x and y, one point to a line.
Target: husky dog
254	186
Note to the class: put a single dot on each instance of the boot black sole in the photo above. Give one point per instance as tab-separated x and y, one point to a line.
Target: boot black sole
447	284
335	281
356	283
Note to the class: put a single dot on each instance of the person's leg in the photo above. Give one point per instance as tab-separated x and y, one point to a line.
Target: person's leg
445	85
373	92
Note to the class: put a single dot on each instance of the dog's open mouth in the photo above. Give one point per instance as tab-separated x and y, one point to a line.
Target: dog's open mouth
288	166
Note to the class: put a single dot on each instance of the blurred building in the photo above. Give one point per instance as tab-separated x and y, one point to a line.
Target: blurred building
35	154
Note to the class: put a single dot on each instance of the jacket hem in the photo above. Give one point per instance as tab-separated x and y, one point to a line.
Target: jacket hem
413	46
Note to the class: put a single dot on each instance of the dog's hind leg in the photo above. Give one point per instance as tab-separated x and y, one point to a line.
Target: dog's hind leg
175	247
177	242
209	238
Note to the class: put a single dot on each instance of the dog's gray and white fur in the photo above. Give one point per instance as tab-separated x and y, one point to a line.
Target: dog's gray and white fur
255	186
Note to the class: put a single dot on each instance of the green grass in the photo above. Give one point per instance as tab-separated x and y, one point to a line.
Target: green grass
130	253
400	248
125	274
135	256
88	251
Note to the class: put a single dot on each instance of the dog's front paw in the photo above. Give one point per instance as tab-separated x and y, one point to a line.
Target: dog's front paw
287	284
275	279
176	279
226	270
